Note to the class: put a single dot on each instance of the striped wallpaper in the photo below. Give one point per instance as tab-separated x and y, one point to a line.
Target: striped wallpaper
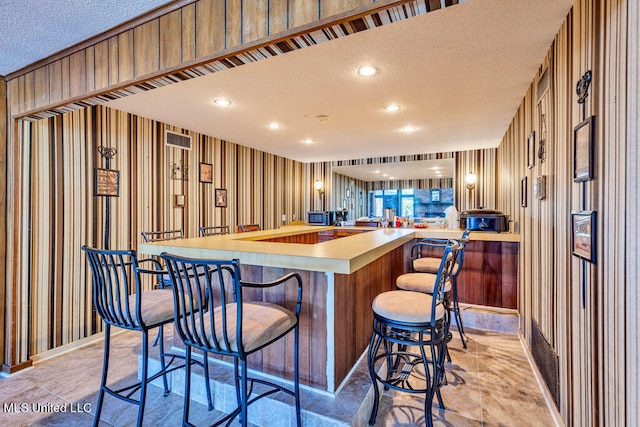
587	312
60	155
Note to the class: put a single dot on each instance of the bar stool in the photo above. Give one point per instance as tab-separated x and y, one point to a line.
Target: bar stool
244	228
411	320
224	324
165	283
120	301
430	265
214	230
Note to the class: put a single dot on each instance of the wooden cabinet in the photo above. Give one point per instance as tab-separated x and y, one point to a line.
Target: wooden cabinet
489	274
325	236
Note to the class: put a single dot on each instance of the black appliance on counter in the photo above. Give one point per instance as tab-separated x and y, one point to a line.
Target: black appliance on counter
327	217
484	220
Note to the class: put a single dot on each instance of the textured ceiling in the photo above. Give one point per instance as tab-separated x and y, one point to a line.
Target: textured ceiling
459	74
35	29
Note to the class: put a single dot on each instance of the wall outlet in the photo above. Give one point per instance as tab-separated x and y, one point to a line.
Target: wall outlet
284	218
294	217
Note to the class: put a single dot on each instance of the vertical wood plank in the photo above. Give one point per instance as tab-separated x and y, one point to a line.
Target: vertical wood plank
333	7
77	74
278	16
146	48
210	20
41	77
170	45
302	12
101	57
126	69
233	23
188	19
255	20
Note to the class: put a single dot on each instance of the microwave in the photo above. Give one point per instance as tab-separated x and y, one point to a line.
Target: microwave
327	217
318	218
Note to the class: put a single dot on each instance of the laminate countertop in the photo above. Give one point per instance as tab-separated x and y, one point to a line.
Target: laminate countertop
344	255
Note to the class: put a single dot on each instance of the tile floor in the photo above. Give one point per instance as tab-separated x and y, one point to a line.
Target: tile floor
490	384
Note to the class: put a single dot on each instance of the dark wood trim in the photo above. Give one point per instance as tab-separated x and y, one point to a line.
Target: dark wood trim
125	26
10	369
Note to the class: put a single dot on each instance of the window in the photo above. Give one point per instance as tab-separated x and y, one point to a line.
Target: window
418	203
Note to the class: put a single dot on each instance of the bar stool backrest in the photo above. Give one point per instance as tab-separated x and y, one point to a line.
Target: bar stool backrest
158	236
214	230
243	228
196	320
463	243
445	272
116	276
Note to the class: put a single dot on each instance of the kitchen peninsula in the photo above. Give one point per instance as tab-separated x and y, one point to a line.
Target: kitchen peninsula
341	277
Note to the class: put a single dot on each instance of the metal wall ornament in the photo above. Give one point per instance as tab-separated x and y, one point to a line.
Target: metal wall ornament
179	171
540	187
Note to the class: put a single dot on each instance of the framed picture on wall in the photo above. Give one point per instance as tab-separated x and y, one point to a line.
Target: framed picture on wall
106	182
523	192
206	173
583	150
221	197
583	235
531	150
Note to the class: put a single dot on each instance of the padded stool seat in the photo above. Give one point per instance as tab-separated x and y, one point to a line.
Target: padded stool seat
405	306
156	307
420	282
426	265
261	322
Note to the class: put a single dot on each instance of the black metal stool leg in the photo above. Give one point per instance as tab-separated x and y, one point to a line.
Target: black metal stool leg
163	365
145	375
296	379
374	345
207	383
429	385
105	368
187	387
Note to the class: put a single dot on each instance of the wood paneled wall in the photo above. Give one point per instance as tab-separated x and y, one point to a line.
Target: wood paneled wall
59	156
587	312
3	205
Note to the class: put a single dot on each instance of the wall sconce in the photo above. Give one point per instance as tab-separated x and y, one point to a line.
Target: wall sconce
470	179
320	189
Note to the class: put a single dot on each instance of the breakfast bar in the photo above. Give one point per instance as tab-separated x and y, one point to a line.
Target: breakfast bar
342	276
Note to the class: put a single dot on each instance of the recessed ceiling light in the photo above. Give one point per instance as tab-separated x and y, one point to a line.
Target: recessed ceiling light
308	141
409	129
376	171
222	102
385	174
392	107
391	177
274	125
367	71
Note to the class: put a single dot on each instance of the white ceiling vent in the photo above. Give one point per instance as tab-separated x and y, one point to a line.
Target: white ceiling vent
177	140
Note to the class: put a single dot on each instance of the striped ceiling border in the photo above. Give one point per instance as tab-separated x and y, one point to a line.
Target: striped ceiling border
267	50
